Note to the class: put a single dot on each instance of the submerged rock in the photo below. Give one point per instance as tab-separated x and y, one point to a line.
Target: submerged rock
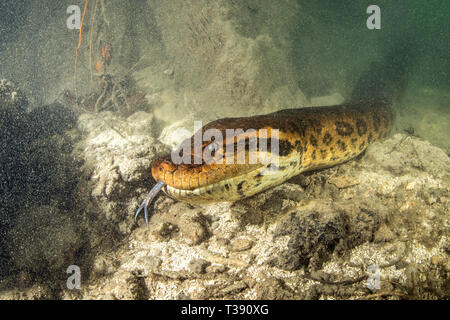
117	154
313	234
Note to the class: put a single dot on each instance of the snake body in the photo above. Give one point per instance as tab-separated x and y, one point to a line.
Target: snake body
309	139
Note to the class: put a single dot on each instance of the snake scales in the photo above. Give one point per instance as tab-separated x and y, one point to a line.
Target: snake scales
308	139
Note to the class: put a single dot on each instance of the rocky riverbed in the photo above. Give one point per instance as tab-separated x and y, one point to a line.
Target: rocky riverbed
319	235
72	176
313	237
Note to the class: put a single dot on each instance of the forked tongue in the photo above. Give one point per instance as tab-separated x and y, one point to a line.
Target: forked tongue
151	195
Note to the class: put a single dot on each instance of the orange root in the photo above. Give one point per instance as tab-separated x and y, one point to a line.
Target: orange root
81	32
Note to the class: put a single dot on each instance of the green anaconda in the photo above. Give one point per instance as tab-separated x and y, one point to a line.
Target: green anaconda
308	139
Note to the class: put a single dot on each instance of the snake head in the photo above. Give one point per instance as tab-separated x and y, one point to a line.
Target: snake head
161	166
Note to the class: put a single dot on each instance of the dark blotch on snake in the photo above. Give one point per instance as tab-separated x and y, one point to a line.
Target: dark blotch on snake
344	128
361	126
327	138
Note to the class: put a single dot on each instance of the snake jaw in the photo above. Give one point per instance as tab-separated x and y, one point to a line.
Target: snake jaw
151	195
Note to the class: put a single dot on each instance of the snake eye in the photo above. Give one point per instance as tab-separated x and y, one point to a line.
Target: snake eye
212	148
